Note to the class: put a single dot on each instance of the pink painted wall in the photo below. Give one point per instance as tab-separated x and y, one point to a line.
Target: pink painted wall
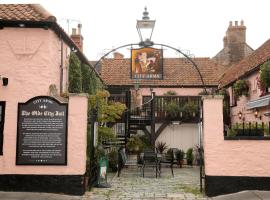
254	93
76	151
31	59
231	157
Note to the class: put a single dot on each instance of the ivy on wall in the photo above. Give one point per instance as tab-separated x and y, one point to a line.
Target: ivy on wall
75	74
265	74
241	88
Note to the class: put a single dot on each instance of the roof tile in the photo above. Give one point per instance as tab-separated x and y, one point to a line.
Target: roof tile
256	58
25	12
176	71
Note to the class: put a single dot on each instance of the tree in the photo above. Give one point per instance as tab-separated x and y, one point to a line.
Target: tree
75	74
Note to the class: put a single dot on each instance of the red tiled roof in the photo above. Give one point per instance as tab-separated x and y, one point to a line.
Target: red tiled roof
246	65
24	12
176	72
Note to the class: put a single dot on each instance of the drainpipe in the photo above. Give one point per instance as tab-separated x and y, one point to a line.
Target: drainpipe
61	68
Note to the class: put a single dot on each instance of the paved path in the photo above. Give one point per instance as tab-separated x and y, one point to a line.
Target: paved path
130	185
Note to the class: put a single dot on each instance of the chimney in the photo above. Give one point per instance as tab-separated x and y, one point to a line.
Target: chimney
235	47
118	55
77	37
235	42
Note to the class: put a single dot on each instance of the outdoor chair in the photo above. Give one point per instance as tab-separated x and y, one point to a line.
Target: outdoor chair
167	160
150	159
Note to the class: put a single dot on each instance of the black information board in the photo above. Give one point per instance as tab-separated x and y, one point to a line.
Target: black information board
42	132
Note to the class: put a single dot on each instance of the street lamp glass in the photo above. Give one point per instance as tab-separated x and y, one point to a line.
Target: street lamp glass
145	27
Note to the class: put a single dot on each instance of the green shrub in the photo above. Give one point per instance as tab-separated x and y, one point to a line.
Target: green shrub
241	88
190	110
190	156
134	144
172	110
170	93
105	133
161	146
265	74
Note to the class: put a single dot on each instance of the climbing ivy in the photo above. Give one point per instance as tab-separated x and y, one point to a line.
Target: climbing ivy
75	74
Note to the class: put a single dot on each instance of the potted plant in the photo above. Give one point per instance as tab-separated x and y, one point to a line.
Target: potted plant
113	159
134	145
190	110
264	79
180	157
190	156
172	110
170	93
161	147
241	88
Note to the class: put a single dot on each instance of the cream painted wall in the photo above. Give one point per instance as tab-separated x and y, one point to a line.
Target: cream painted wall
182	136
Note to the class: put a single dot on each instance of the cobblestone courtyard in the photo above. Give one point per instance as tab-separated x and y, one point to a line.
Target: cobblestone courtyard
130	185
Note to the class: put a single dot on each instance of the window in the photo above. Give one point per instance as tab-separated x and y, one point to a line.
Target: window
2	119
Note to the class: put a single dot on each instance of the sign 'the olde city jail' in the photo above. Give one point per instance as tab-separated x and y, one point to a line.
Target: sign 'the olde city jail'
42	132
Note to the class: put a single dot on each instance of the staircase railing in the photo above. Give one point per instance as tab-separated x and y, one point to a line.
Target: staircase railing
142	112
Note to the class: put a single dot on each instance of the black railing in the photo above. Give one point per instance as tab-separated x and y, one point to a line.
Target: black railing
161	103
247	130
142	112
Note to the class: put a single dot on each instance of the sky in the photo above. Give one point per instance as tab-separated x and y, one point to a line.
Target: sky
194	26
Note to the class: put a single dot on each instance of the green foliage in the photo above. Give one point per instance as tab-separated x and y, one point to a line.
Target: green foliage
105	133
86	79
241	88
249	129
190	110
179	155
146	141
161	147
172	110
75	74
190	156
107	111
170	93
134	144
265	74
226	105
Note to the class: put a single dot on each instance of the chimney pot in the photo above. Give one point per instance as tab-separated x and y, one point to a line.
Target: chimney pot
230	23
236	23
242	22
79	29
74	31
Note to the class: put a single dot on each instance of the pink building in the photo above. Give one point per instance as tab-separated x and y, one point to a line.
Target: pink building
42	135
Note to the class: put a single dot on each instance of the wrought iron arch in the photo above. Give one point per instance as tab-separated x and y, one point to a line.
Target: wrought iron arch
163	45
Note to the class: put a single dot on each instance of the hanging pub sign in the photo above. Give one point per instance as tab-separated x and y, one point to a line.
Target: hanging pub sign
42	132
146	63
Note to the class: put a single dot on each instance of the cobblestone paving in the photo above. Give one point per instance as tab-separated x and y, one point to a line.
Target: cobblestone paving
130	185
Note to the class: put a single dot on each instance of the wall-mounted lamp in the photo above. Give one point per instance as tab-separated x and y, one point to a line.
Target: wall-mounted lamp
4	80
240	115
256	114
